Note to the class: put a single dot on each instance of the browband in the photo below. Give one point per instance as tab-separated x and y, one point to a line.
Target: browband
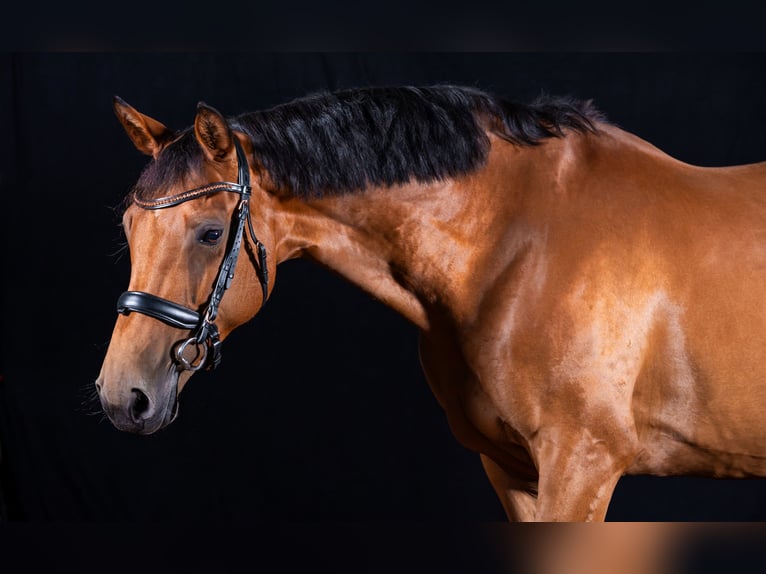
178	198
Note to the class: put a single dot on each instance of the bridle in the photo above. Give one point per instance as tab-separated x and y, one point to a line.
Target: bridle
206	336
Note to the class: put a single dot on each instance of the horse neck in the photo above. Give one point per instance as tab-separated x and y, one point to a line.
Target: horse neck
363	238
414	247
427	250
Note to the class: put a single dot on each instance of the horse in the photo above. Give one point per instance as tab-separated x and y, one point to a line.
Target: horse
588	306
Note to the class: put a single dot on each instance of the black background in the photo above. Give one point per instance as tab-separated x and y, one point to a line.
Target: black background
319	411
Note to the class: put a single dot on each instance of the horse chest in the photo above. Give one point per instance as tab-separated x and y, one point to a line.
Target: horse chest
474	410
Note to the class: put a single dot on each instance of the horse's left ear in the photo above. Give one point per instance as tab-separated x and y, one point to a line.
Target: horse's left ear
213	133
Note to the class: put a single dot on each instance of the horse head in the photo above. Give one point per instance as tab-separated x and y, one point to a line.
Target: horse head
184	236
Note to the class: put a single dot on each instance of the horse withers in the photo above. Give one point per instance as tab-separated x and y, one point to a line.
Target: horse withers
589	306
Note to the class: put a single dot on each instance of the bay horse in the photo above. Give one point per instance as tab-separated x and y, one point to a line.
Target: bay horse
588	306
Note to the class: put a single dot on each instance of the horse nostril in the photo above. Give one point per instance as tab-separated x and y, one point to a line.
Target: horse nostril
139	404
98	388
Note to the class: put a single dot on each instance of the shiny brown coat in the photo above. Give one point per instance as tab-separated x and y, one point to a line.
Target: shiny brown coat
589	307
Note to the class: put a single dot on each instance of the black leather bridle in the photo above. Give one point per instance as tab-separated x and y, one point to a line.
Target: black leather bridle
206	336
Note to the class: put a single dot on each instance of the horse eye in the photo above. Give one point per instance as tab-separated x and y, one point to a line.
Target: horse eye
211	236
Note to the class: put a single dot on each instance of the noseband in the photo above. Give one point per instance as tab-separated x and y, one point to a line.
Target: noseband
206	338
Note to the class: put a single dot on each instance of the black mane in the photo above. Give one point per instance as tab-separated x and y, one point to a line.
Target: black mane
346	141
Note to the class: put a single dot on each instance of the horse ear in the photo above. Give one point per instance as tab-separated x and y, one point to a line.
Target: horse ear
146	133
213	133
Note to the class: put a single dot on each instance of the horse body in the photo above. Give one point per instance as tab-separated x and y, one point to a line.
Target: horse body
588	306
595	289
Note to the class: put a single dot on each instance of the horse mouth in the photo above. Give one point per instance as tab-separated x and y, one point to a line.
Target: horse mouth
173	410
171	406
148	427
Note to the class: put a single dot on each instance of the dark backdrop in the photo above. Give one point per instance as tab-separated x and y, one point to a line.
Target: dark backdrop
319	411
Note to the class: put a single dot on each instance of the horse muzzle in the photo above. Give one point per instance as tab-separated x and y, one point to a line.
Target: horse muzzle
139	410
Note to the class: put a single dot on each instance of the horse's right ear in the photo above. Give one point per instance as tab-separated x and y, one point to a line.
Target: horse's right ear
147	134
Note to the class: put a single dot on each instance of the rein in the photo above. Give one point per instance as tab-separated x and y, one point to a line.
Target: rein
206	337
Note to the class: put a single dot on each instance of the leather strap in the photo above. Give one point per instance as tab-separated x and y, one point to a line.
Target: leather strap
166	311
172	200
